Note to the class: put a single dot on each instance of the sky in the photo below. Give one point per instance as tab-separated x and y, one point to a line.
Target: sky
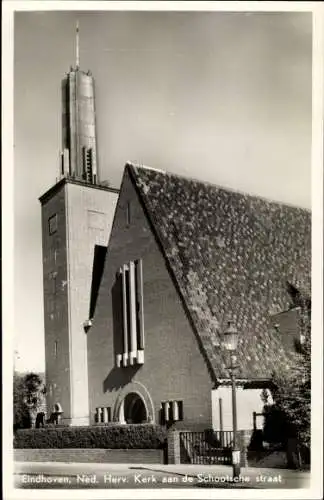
225	97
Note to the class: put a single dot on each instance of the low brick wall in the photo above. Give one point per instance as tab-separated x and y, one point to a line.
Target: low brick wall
92	455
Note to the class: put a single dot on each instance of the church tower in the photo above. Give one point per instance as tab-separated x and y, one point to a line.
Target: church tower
79	143
77	214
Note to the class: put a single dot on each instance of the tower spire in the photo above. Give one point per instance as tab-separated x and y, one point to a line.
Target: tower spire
77	53
79	141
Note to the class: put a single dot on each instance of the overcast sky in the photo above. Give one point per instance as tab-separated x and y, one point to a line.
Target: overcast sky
223	97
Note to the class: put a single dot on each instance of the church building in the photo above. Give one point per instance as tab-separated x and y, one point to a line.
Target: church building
184	258
140	284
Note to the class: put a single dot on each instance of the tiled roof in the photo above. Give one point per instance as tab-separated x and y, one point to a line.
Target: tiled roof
231	256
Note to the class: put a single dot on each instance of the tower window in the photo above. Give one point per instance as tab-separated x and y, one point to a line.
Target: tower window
87	162
53	278
84	162
55	348
52	224
50	305
89	165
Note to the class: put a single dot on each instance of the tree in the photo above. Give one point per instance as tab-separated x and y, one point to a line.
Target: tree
29	391
21	418
291	391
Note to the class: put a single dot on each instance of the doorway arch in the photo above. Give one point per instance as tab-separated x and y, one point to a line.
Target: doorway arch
134	403
134	409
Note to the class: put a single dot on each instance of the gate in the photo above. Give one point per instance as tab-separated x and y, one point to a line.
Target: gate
208	447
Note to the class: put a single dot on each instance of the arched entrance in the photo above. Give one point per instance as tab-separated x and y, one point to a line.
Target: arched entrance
133	409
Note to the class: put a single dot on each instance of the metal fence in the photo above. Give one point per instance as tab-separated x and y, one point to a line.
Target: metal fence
208	447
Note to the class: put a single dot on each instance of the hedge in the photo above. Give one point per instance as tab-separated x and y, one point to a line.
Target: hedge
136	436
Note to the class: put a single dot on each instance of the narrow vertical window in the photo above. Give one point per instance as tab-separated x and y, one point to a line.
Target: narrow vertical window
165	412
125	314
66	161
52	224
180	409
55	348
62	163
53	277
128	310
89	165
106	415
84	163
133	315
98	415
128	213
220	400
132	310
171	411
175	410
139	304
50	305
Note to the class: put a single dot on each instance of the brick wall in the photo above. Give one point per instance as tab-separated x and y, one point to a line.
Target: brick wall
174	367
89	219
174	453
57	373
90	455
84	217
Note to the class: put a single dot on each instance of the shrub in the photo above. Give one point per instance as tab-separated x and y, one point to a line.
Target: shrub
276	428
136	436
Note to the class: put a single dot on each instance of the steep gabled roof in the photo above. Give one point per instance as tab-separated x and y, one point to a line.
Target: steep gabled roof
231	256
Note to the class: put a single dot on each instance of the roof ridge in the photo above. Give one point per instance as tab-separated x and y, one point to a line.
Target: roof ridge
145	167
217	186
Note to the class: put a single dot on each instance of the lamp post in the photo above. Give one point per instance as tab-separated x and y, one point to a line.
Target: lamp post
230	343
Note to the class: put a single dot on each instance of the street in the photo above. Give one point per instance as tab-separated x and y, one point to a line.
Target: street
54	475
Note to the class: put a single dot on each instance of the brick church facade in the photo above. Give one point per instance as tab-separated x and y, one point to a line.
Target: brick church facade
183	258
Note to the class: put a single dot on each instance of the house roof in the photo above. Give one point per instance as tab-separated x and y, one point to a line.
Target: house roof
231	256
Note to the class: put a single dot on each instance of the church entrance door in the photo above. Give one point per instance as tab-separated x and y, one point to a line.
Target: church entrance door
135	411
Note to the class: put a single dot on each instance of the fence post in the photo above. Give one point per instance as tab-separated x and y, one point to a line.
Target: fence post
173	439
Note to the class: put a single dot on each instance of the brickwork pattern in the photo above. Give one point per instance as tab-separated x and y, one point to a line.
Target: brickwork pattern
174	447
56	325
84	217
174	367
84	232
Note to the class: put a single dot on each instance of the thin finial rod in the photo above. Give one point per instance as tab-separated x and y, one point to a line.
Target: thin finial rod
77	46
